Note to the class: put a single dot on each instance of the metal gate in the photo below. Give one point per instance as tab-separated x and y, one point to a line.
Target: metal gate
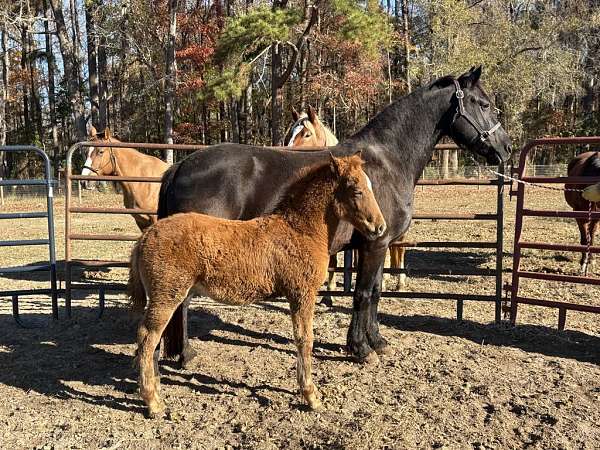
71	237
498	245
347	270
519	244
50	267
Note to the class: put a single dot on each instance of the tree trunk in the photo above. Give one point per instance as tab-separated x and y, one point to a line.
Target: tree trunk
27	128
51	64
103	85
4	99
72	69
276	94
91	9
170	77
406	41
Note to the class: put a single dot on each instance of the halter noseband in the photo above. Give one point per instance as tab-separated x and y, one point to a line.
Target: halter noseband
483	135
113	161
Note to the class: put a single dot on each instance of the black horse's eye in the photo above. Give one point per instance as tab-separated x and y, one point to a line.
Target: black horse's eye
485	106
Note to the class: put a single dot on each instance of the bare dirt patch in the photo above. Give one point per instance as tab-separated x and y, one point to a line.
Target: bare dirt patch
473	384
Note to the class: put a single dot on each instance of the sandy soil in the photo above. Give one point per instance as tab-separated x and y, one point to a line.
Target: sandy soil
473	384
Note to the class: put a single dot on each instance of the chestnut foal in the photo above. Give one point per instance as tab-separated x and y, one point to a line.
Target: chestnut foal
240	262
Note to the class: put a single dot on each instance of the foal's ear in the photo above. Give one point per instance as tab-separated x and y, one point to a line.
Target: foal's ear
312	115
295	115
335	164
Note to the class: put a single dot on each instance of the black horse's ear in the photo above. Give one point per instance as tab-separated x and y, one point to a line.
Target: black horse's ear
476	74
334	164
312	115
295	115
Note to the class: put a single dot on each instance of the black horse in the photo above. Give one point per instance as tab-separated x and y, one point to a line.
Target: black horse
241	182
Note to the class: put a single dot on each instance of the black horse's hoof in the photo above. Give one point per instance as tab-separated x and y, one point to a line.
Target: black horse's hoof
186	357
367	356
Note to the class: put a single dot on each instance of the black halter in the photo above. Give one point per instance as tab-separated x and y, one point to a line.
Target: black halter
484	135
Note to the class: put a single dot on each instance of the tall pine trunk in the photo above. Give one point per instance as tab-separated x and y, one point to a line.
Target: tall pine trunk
72	69
91	9
51	66
170	78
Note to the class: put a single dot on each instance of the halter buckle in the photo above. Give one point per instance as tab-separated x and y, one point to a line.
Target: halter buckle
460	93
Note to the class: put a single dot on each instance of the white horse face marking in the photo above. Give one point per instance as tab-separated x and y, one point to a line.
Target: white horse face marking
297	129
88	162
369	184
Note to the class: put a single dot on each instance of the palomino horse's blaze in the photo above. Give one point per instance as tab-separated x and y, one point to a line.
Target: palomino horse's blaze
127	162
284	253
309	131
584	165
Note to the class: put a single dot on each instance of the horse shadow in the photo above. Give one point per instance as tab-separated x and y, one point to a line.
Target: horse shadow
446	261
69	359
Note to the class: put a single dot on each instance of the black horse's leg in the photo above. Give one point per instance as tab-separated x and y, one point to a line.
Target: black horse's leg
376	341
188	353
369	272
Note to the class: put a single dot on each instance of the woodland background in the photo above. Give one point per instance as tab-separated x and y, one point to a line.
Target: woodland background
200	71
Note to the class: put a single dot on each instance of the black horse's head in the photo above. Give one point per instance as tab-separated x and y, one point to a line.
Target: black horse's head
473	123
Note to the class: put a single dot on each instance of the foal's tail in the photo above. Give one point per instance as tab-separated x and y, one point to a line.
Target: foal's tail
135	287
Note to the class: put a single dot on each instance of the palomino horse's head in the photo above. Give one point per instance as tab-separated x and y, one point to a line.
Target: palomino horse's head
473	122
354	200
309	131
100	160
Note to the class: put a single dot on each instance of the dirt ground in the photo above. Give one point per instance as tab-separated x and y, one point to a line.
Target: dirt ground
473	384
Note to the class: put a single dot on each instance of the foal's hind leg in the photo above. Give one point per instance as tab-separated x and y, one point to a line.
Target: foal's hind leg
302	310
154	322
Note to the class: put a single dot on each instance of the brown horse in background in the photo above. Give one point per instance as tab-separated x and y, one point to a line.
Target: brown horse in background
281	254
126	162
584	165
309	131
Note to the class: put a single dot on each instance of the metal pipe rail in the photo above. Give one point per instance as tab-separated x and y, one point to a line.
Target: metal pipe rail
519	244
50	267
69	210
71	236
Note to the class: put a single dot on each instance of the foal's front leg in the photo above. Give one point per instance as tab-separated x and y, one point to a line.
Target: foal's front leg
302	311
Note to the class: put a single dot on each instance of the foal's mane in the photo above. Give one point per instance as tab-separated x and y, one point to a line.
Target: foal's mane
310	179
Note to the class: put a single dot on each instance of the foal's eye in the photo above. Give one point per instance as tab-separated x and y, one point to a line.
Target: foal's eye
358	194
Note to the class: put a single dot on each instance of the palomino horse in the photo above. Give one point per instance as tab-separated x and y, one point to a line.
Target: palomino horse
281	254
397	144
308	131
126	162
584	165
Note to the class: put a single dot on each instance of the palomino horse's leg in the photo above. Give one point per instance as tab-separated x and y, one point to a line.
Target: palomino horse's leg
376	341
331	284
397	281
302	311
370	263
149	332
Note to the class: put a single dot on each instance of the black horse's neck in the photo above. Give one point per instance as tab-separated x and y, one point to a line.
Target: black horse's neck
407	131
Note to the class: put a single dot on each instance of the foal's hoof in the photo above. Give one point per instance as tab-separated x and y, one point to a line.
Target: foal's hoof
315	405
156	413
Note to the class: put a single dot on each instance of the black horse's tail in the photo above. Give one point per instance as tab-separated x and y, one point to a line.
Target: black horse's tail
174	332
